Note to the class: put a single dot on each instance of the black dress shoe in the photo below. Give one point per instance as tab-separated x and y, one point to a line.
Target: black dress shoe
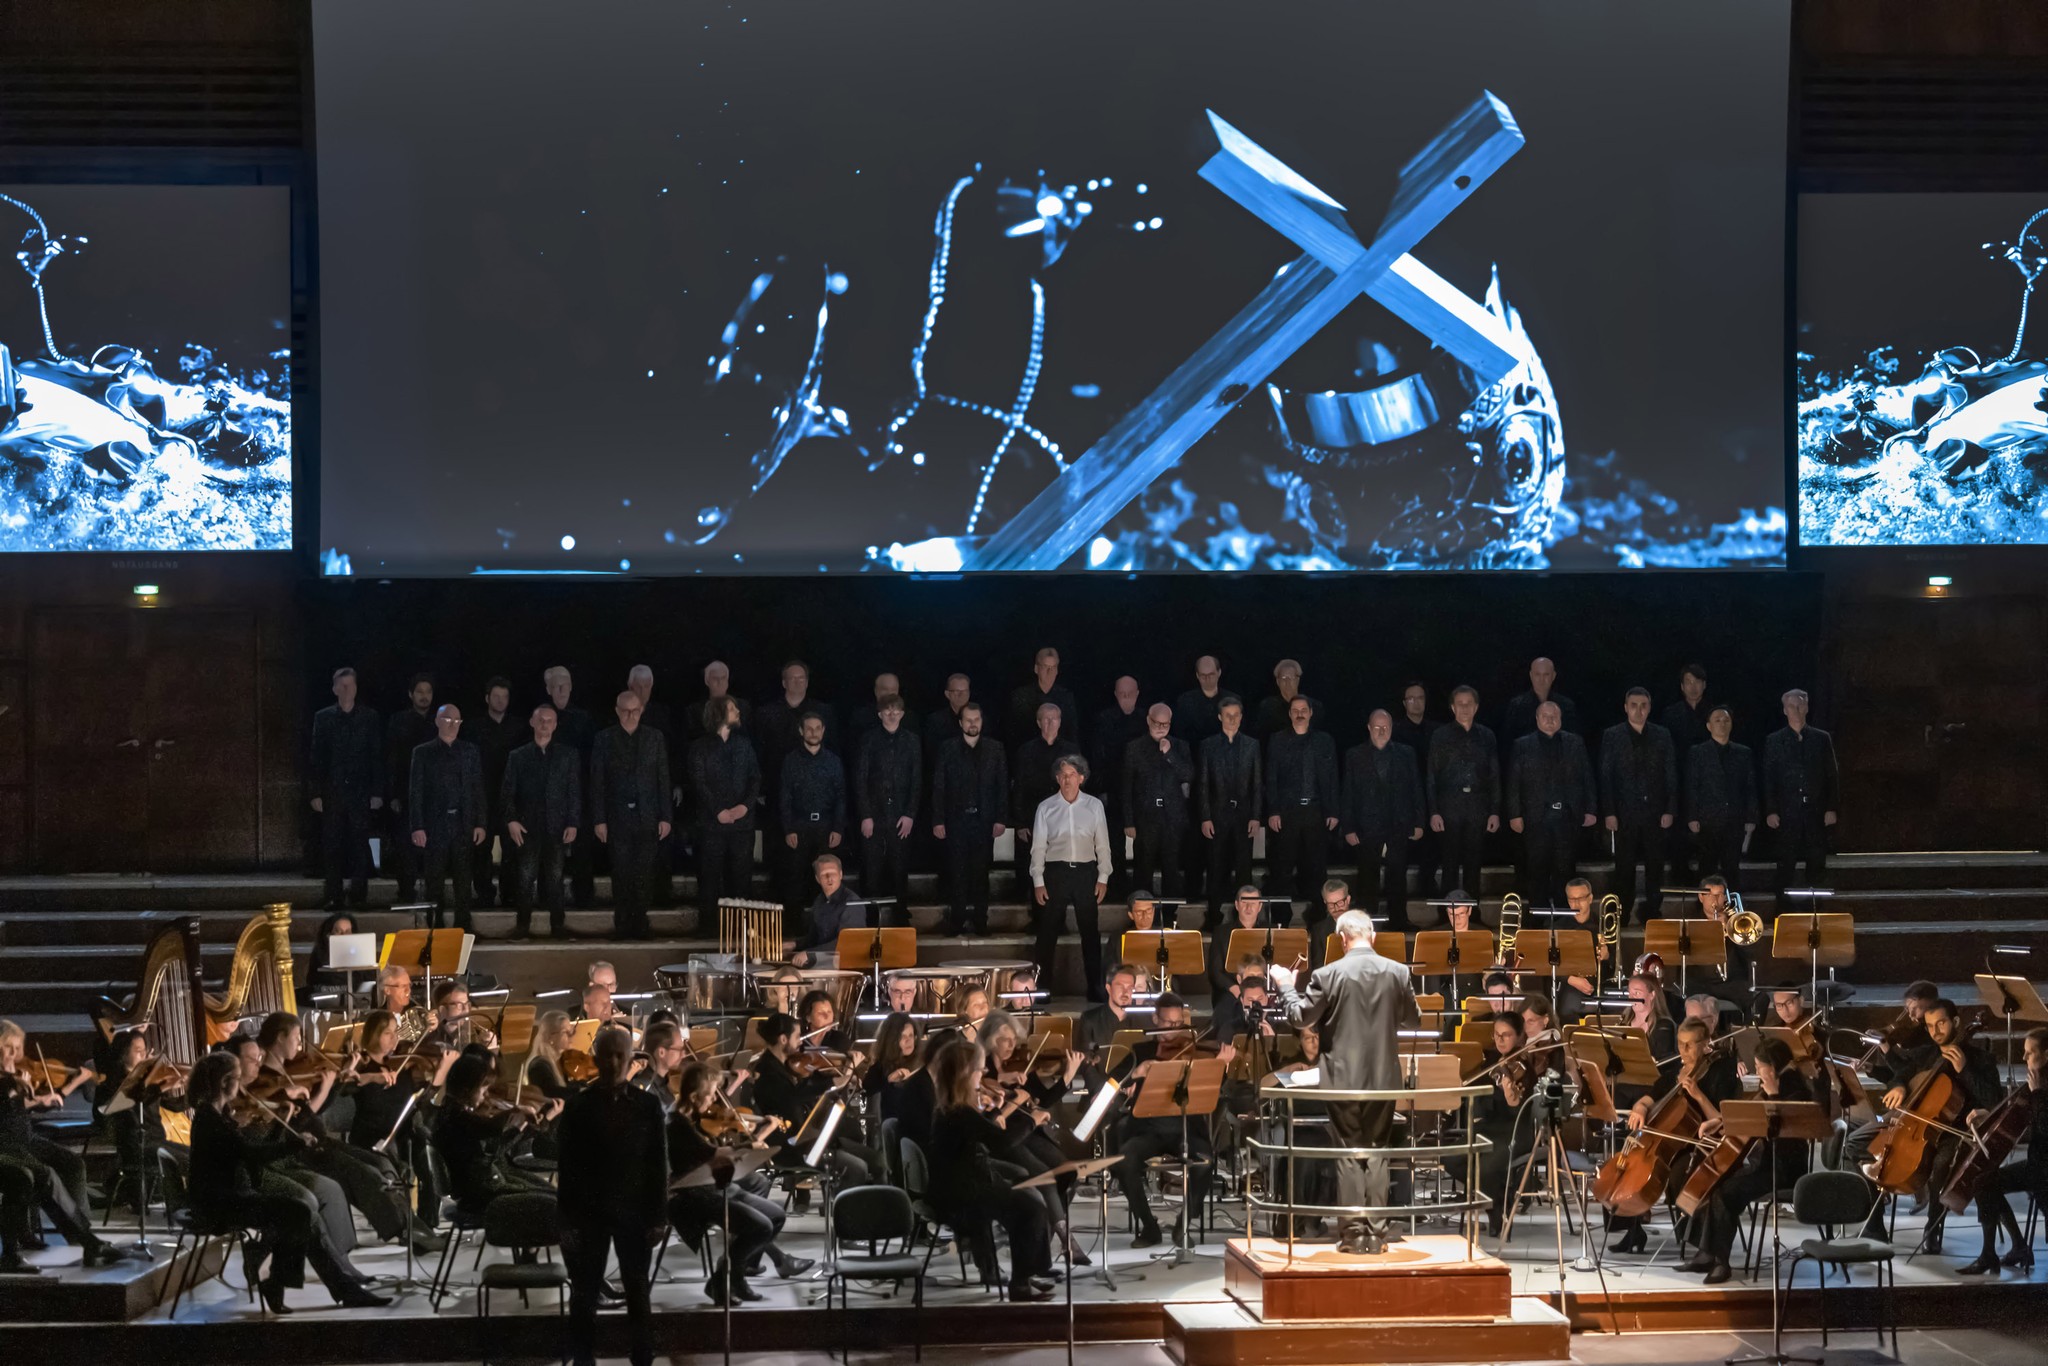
1631	1241
273	1298
1699	1265
1027	1293
355	1297
2021	1258
793	1267
1148	1236
11	1264
1719	1273
1986	1263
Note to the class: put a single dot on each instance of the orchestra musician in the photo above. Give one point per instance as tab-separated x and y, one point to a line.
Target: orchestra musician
699	1133
1097	1026
902	993
223	1188
543	1067
1360	1002
471	1129
595	1003
664	1045
55	1174
1034	1149
1247	912
896	1083
1142	1140
381	1089
1732	982
2028	1174
1708	1076
1904	1049
791	1091
818	1021
1315	1182
1574	993
971	1010
1515	1077
290	1175
1977	1076
1754	1179
394	993
145	1090
458	1028
829	914
967	1184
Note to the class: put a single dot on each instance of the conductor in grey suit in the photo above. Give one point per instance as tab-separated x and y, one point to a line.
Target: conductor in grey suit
1358	1003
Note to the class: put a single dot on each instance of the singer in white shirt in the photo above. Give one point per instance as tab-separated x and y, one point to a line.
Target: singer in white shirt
1070	863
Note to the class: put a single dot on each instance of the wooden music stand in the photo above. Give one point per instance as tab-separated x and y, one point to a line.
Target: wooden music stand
1827	938
1289	948
1690	941
1452	953
1181	1090
1056	1030
1432	1072
1471	1056
433	953
1118	1049
1388	944
1802	1120
877	951
1558	954
1625	1055
583	1033
1175	953
1596	1101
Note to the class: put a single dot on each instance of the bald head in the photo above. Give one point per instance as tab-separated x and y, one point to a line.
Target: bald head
448	723
1542	674
1126	691
1380	726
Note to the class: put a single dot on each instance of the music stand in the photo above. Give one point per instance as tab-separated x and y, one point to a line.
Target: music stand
1437	952
1773	1119
1688	939
722	1172
1823	939
1175	1089
1391	945
435	951
1177	952
1287	948
2014	998
1081	1170
878	950
876	901
1562	953
1094	1130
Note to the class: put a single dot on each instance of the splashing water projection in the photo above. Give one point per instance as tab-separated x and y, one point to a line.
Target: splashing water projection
1954	454
98	451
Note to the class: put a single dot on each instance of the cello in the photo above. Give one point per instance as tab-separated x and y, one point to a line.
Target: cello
2003	1130
1632	1181
1904	1149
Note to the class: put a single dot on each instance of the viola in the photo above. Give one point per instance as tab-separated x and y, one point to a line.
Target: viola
2002	1131
1904	1149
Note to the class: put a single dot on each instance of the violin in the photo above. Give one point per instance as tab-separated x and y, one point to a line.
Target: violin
577	1066
1904	1149
811	1061
1891	1036
52	1078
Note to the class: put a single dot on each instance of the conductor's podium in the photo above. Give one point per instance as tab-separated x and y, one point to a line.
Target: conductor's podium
1423	1299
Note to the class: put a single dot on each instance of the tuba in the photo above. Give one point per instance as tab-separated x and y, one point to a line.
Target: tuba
1510	925
1610	935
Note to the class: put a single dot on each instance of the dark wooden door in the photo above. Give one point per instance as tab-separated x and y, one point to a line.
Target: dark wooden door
145	744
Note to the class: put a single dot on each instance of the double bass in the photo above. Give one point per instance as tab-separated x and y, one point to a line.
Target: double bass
1903	1151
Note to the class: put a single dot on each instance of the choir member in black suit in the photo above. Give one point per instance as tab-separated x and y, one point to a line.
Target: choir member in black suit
1275	715
1520	717
1720	798
1195	711
655	716
495	733
944	724
1414	728
346	782
717	687
614	1196
1230	795
970	785
631	810
1044	689
1638	799
445	792
1550	798
575	728
778	733
542	798
812	806
1462	782
725	789
405	732
1802	793
865	720
1382	816
1301	806
888	781
1109	735
1157	772
1686	718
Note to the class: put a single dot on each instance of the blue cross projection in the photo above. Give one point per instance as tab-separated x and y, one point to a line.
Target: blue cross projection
1299	302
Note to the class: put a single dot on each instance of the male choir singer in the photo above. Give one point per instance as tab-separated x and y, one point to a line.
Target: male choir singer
1357	1005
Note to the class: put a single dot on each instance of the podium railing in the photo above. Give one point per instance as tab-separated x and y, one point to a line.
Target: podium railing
1473	1144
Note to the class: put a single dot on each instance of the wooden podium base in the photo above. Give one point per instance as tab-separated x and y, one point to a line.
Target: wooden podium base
1422	1300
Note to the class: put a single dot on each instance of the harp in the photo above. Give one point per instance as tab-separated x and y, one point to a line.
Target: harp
170	998
259	977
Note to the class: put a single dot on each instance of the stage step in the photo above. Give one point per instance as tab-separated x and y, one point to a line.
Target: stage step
1222	1333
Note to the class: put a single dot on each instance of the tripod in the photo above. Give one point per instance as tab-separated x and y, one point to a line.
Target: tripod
1545	1103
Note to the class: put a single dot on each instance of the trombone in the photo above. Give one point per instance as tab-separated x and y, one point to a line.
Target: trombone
1610	936
1741	925
1510	925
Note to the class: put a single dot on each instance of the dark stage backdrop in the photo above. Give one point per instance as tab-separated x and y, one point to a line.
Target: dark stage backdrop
1359	641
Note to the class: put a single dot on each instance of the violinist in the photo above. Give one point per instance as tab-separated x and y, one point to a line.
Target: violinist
1709	1079
55	1173
472	1130
1494	1115
779	1090
1034	1147
368	1179
664	1047
1977	1078
128	1101
394	993
1705	1007
1753	1180
967	1146
289	1175
756	1220
972	1010
384	1083
2027	1174
1172	1040
225	1186
1788	1009
1539	1025
551	1035
895	1067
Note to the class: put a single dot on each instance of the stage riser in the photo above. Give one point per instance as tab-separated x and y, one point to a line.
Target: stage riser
124	1292
1224	1335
